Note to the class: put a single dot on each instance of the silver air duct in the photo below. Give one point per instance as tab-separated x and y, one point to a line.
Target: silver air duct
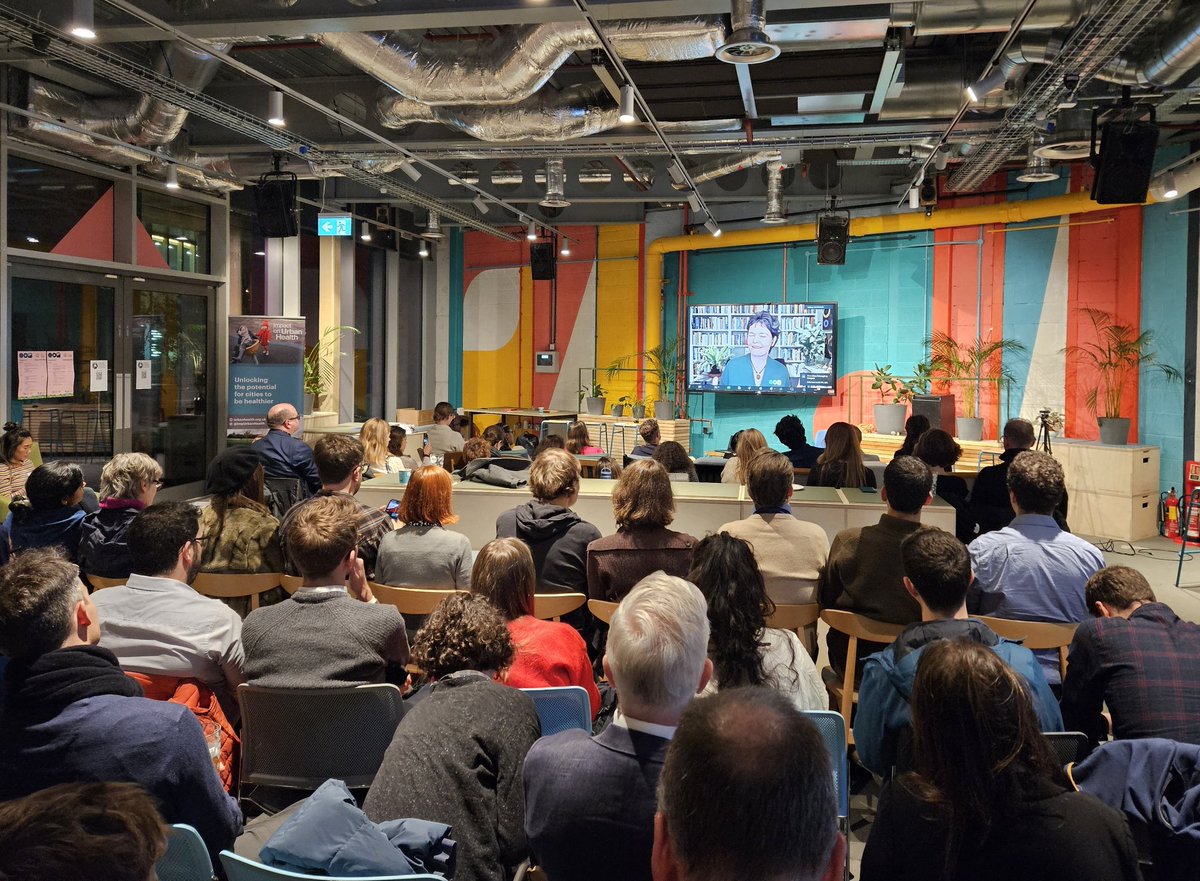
555	185
996	16
749	43
433	226
1176	52
775	213
519	61
1030	49
722	167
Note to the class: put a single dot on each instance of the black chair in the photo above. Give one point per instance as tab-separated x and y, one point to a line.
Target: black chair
1069	746
283	493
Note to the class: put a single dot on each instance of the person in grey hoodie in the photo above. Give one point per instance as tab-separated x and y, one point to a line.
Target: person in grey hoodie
556	535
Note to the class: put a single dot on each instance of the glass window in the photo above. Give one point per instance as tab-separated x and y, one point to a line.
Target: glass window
47	207
247	266
178	228
370	270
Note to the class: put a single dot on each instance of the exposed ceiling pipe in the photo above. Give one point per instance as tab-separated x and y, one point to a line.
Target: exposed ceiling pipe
722	167
996	16
1027	50
1176	51
555	186
775	213
519	61
749	43
934	90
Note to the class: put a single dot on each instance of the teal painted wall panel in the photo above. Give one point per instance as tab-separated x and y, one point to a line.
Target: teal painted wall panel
455	349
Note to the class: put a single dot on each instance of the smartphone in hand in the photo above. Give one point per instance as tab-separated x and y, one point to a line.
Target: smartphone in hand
393	509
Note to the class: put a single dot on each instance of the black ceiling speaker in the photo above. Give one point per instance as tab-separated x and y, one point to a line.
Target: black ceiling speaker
543	261
833	233
275	202
1125	160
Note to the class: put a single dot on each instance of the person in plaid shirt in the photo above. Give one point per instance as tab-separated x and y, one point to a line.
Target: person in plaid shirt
1136	656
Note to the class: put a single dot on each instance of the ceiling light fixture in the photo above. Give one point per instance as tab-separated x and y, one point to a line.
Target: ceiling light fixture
1170	190
33	240
83	20
566	248
424	250
364	231
694	201
628	110
275	108
914	198
531	233
1037	170
991	81
711	226
172	177
410	168
481	205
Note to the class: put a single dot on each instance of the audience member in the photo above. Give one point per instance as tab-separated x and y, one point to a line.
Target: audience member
397	461
579	441
71	715
548	653
331	633
608	468
841	463
1136	658
242	535
423	553
914	427
49	515
643	506
862	574
549	442
81	832
749	442
464	426
156	624
590	801
731	451
990	505
747	792
940	452
457	755
129	483
790	552
443	438
744	650
16	445
858	436
790	431
651	435
339	462
557	537
494	435
375	435
1031	569
284	456
678	464
989	801
476	448
937	573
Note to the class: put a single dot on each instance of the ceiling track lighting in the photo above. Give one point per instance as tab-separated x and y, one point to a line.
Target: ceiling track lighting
364	231
992	81
410	168
694	201
83	20
531	232
172	177
275	108
628	108
711	226
914	198
566	248
424	250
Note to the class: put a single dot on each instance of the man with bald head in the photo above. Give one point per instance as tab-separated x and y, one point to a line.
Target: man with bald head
286	456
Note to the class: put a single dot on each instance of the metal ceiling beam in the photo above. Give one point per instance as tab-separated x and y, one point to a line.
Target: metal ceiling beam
889	70
746	85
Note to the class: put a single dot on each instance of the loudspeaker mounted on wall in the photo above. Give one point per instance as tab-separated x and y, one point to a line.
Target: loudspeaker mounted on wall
833	233
1124	162
275	204
543	261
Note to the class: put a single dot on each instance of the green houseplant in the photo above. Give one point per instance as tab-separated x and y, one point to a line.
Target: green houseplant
662	362
320	371
968	365
1114	359
889	417
592	396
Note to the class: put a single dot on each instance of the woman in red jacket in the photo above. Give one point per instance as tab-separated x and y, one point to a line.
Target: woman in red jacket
549	653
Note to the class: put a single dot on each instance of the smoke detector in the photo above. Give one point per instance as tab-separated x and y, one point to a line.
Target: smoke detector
748	46
1037	171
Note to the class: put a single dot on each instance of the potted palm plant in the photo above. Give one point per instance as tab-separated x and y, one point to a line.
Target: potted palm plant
320	372
1114	359
592	396
889	417
970	364
663	362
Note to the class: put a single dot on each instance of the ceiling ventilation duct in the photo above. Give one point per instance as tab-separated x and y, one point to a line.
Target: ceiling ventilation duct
722	167
995	16
1037	171
555	183
775	213
1071	138
433	226
749	43
1176	52
519	61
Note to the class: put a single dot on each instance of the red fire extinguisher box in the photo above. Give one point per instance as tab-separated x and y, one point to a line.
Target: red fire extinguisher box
1191	481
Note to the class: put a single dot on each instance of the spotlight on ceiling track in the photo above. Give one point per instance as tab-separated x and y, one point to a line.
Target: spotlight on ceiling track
424	250
481	205
364	231
83	20
693	201
991	81
914	198
531	232
566	248
172	177
1170	190
711	226
628	110
409	167
275	108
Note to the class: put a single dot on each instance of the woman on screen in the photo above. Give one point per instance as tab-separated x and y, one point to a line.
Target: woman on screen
757	369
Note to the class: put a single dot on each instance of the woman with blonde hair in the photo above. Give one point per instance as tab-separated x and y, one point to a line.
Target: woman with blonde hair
549	653
423	553
579	441
129	483
841	465
643	506
749	442
374	436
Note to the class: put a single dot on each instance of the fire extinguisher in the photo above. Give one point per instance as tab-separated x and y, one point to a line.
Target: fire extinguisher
1193	524
1172	512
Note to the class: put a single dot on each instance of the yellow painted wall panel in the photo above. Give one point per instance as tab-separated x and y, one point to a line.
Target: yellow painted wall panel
617	303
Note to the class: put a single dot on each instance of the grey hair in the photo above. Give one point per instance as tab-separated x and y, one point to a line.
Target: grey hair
124	474
657	644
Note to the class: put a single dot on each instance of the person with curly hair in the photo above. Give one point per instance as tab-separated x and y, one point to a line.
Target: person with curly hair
744	650
457	754
672	456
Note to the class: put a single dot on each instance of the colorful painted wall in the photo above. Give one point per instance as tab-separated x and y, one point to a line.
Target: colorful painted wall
1029	282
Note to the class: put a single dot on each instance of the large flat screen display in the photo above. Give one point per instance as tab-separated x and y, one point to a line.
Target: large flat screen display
768	348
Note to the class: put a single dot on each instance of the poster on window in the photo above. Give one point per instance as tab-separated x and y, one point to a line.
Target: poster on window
266	367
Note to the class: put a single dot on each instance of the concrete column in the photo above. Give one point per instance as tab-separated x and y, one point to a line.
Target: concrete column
283	277
390	331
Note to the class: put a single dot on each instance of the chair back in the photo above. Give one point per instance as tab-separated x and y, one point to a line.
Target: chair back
411	600
186	857
223	585
301	737
284	492
238	868
794	617
1035	635
291	583
602	609
832	728
856	627
99	582
1069	746
554	605
561	709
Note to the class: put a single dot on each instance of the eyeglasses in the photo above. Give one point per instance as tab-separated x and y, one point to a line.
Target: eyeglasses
158	483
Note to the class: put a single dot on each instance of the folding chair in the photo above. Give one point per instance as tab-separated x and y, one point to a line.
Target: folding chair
220	585
856	627
345	732
411	600
1036	635
552	606
241	869
602	610
186	857
284	492
832	727
291	583
562	708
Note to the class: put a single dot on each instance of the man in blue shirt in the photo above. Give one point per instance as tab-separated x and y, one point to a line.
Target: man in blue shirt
286	456
1031	570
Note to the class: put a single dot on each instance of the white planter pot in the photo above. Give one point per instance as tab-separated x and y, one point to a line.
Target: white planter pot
889	418
970	428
